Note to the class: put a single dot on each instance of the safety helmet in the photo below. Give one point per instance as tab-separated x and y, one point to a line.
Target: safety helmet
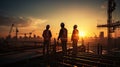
62	24
75	26
47	26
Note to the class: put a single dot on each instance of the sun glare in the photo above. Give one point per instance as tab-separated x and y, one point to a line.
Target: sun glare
82	34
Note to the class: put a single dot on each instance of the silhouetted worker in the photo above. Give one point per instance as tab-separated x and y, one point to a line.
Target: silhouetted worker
63	37
47	38
74	39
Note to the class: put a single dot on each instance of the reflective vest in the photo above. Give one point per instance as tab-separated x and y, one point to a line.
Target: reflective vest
75	35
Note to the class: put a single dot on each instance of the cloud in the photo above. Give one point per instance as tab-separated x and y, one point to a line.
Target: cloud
36	22
24	24
104	5
20	21
7	21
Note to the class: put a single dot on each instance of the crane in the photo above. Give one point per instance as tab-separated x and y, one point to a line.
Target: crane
9	34
110	25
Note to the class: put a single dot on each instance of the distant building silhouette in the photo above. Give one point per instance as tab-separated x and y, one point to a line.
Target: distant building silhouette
34	36
101	35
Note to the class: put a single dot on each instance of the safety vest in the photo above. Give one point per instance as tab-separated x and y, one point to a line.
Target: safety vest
75	35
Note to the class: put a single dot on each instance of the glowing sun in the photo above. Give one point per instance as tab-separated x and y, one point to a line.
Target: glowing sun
82	34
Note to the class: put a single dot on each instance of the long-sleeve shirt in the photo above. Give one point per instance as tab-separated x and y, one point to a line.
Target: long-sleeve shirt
63	34
75	35
47	35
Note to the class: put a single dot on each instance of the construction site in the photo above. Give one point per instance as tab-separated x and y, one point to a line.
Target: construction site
26	49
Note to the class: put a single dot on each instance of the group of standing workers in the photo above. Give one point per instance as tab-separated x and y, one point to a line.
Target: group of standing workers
63	37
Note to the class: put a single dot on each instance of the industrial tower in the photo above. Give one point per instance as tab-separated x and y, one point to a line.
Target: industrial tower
111	26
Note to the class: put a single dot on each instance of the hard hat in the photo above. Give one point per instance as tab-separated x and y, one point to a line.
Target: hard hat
62	24
47	26
75	26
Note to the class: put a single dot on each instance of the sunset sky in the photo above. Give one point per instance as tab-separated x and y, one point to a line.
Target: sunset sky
29	15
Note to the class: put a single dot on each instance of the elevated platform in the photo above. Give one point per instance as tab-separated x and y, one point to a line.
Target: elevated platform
35	58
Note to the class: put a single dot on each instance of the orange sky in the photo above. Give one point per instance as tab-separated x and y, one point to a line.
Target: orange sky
33	15
86	19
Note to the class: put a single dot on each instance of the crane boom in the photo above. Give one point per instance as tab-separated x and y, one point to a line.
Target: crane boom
11	29
111	26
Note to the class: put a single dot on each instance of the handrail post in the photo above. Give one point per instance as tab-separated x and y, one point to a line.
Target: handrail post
54	46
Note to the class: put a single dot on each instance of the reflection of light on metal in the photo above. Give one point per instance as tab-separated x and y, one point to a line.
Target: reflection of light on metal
104	52
75	66
79	44
90	51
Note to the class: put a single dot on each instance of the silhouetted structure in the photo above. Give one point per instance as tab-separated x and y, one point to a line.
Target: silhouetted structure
82	48
101	35
9	35
99	49
74	39
63	37
47	38
111	26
